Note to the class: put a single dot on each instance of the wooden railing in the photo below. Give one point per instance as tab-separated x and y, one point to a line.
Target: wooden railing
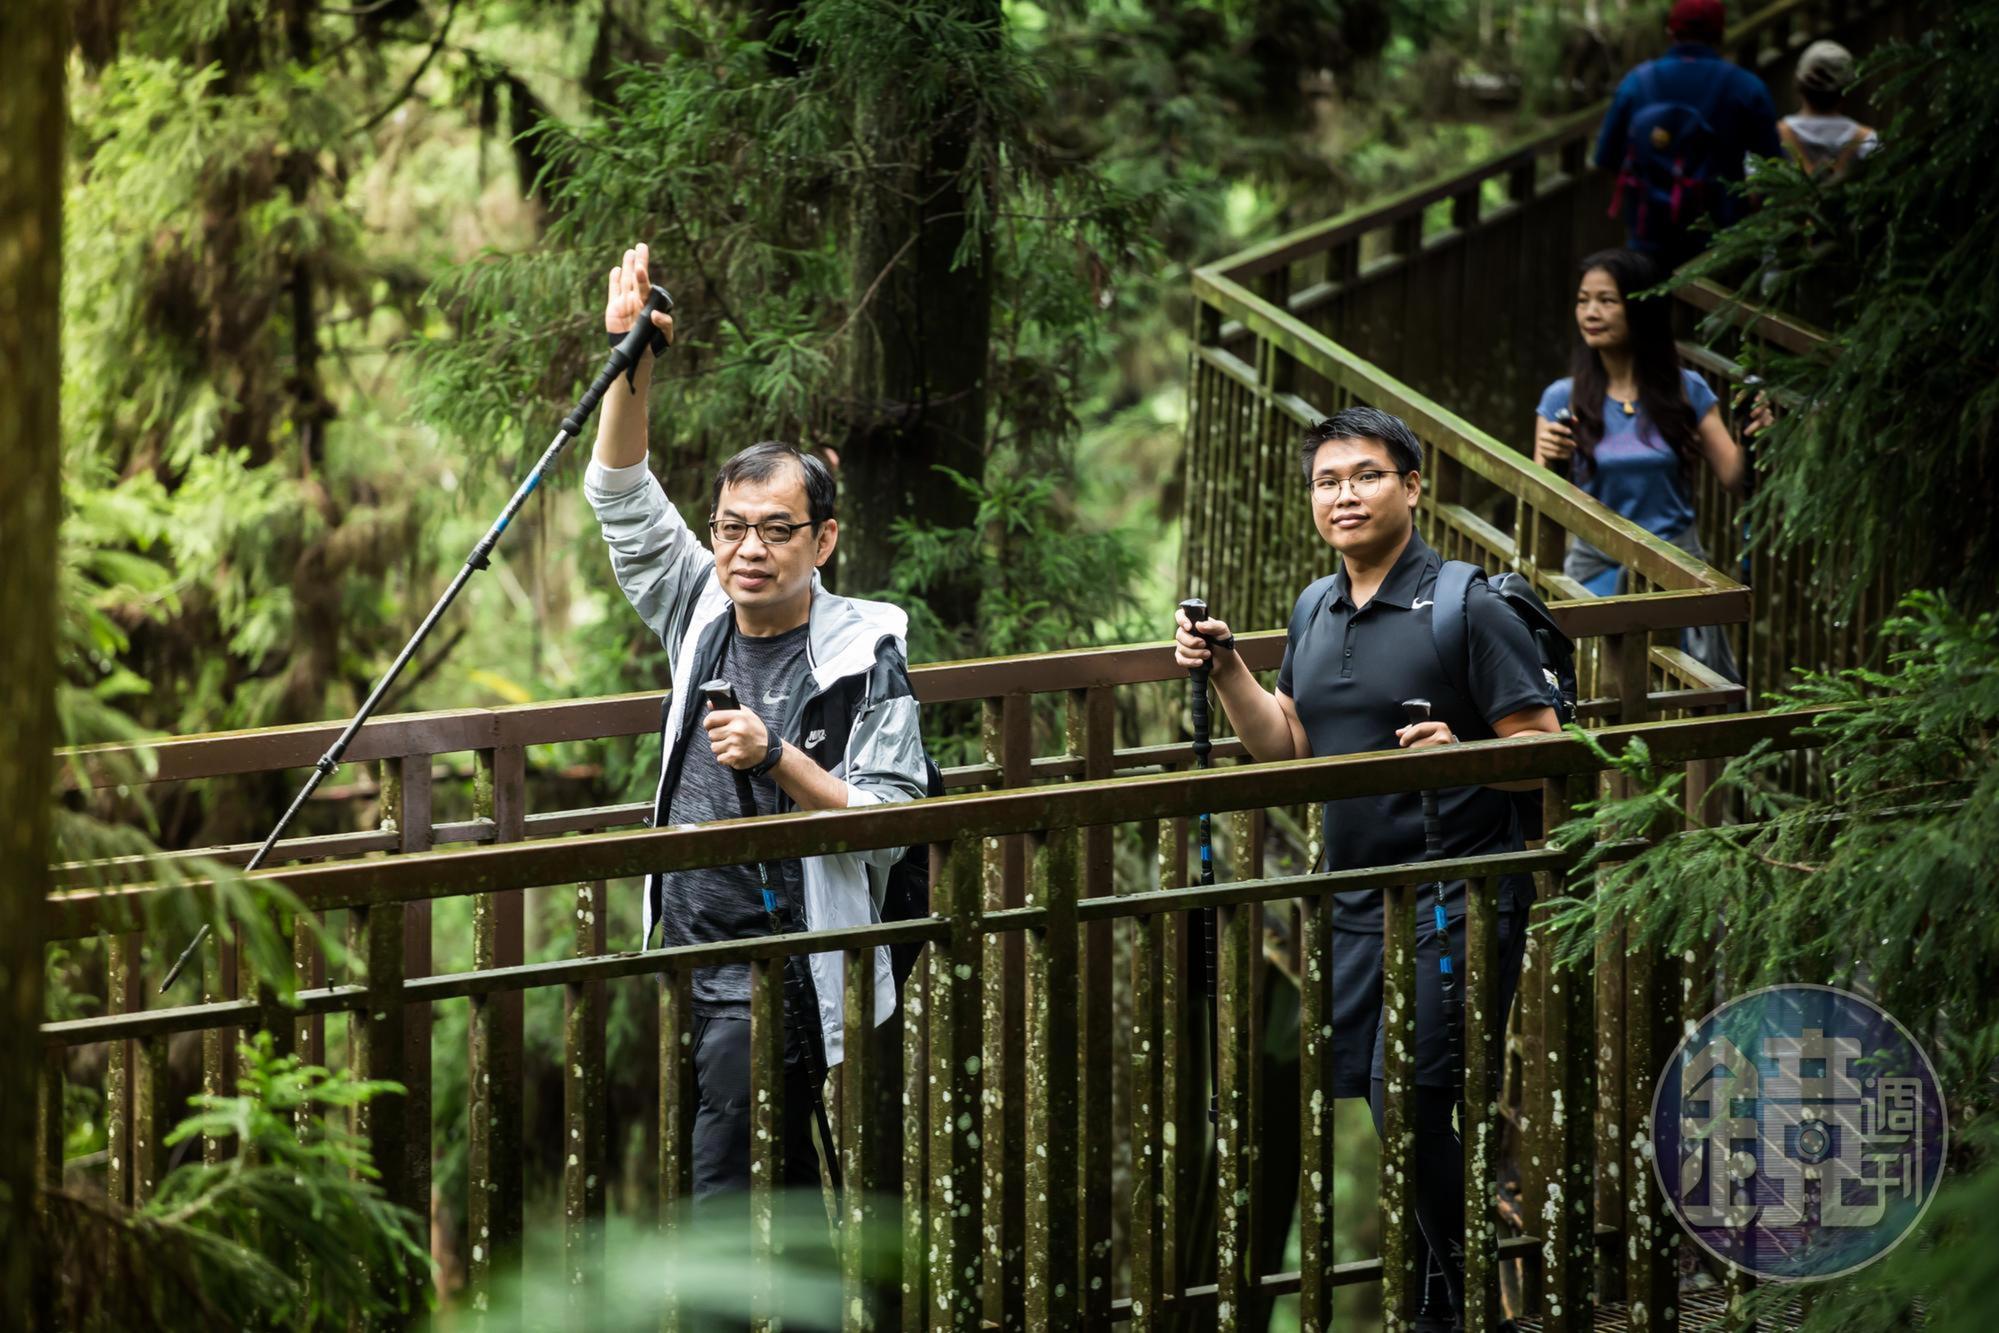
1024	1053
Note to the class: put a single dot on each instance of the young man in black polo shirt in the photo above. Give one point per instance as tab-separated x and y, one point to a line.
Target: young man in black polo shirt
1361	642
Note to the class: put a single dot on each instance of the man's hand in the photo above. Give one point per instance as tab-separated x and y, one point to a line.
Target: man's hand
737	736
1191	644
1419	734
631	284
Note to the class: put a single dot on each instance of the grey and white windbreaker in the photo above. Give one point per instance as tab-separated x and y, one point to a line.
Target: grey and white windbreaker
855	715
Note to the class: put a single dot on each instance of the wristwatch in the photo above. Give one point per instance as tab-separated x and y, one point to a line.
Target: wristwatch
770	759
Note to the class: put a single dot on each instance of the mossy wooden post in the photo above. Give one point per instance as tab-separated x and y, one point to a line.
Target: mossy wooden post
1399	1277
585	1146
767	1111
1050	1176
406	792
1235	1278
861	1250
493	1212
1008	737
378	1039
126	995
1091	724
1316	1252
915	1303
676	1124
1485	1028
954	1206
1567	1221
1151	1105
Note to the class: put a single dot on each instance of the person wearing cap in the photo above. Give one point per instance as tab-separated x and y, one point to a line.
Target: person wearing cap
1679	134
1819	136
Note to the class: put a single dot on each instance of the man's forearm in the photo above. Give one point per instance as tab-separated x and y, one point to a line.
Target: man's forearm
809	786
621	424
1253	711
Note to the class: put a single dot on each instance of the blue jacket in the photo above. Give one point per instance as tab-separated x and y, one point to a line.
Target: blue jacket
1738	105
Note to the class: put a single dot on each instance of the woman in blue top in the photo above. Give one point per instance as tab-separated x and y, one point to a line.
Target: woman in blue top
1630	425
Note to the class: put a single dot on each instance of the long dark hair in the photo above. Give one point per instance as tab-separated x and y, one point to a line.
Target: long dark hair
1655	361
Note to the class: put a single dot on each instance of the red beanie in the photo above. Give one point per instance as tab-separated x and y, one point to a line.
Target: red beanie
1696	20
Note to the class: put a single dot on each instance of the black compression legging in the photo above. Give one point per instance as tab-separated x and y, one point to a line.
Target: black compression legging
1440	1199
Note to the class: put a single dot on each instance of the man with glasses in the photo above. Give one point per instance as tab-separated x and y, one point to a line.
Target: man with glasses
827	720
1361	641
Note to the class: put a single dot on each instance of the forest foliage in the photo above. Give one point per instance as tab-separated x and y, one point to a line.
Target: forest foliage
333	272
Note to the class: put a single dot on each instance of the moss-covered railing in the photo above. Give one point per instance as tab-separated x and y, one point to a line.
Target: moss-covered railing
1010	1040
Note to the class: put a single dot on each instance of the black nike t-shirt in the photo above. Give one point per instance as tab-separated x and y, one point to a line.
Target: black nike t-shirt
718	903
1348	670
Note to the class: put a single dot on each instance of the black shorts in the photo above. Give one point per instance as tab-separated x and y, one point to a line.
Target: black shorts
1356	1001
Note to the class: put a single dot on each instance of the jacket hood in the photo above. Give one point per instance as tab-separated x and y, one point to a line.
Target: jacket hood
846	633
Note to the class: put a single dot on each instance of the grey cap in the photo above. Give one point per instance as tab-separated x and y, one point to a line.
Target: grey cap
1825	67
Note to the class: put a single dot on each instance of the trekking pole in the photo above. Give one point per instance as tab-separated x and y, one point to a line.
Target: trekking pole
1196	611
1433	850
624	357
801	999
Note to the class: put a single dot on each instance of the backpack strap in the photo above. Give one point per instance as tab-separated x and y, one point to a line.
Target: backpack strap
1450	622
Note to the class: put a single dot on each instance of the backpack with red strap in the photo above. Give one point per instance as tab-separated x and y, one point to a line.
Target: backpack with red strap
1669	179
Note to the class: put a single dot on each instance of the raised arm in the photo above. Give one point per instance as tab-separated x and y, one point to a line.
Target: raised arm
661	564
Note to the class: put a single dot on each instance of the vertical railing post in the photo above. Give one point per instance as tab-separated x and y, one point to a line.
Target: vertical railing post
1568	1217
1052	1297
1151	1103
1316	1252
1007	729
1399	1278
1485	1029
955	1209
1092	724
1235	1282
584	1164
126	994
860	1175
493	1103
767	1146
378	1037
676	1124
915	1262
406	794
219	979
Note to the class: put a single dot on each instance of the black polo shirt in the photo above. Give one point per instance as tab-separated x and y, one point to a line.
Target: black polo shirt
1348	671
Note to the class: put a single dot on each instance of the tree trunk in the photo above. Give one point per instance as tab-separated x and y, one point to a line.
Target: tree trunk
921	333
33	41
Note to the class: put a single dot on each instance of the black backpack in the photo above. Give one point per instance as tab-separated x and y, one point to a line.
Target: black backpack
1450	626
906	896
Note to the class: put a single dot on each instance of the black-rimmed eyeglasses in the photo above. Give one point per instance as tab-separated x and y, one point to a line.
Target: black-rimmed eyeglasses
771	532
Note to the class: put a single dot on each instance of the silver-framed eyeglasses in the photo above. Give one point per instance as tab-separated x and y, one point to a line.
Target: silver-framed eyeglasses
1366	484
771	532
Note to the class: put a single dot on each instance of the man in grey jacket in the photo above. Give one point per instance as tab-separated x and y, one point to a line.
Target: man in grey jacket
827	721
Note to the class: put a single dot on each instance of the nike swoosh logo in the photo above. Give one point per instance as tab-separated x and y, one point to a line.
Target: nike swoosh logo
775	699
1420	603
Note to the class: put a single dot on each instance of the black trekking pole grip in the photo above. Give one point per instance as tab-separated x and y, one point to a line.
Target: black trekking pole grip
624	357
720	696
1196	611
